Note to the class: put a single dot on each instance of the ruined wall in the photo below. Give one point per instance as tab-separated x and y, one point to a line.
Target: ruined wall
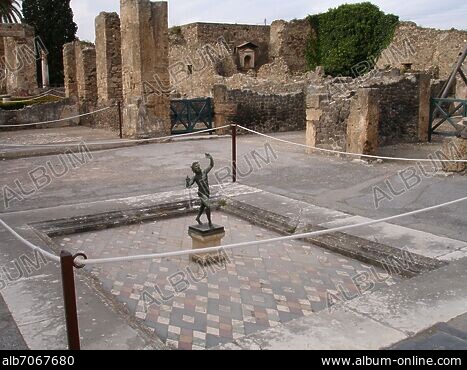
264	112
401	102
145	68
41	113
426	48
288	41
108	58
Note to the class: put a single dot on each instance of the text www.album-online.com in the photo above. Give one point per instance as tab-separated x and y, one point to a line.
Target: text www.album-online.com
386	361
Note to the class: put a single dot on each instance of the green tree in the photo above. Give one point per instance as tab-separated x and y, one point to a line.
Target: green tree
347	36
9	11
53	22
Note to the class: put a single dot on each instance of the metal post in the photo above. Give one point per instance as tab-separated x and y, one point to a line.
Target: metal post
234	153
69	297
432	117
120	120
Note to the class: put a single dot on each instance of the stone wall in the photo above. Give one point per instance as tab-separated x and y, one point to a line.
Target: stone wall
288	41
428	49
263	112
208	63
326	118
41	113
108	58
401	106
145	68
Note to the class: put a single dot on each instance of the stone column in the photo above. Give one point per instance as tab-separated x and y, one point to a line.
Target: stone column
10	64
69	65
108	59
20	58
313	116
224	111
45	70
424	107
86	80
145	73
2	67
363	123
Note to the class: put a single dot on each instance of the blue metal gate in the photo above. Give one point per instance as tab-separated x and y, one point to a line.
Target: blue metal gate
447	110
191	115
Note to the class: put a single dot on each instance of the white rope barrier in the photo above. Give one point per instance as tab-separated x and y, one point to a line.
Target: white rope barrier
90	262
54	121
354	154
36	98
126	141
51	256
41	94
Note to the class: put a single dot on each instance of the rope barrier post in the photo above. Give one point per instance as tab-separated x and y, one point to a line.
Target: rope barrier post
69	297
234	153
120	120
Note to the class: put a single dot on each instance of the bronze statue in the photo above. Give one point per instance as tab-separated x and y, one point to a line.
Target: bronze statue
204	193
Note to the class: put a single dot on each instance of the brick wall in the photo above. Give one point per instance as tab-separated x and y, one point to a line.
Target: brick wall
265	112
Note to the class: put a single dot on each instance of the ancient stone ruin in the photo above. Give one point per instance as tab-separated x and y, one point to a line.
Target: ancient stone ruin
254	75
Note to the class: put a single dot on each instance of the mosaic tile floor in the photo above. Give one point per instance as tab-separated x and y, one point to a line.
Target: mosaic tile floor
194	307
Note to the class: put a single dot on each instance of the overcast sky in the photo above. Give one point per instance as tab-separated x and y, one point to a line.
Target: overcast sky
428	13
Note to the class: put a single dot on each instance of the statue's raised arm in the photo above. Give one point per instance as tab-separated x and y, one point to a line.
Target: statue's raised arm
211	163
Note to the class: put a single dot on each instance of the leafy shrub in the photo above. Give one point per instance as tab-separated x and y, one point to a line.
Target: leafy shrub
348	35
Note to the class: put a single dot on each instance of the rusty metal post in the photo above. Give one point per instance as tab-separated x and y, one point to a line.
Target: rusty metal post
69	297
120	120
234	153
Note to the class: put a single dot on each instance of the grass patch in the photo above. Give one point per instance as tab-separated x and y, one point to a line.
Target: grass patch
20	103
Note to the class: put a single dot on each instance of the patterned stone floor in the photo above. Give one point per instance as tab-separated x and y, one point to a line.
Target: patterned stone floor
194	307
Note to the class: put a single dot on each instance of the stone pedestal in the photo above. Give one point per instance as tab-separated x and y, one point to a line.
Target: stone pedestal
203	237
